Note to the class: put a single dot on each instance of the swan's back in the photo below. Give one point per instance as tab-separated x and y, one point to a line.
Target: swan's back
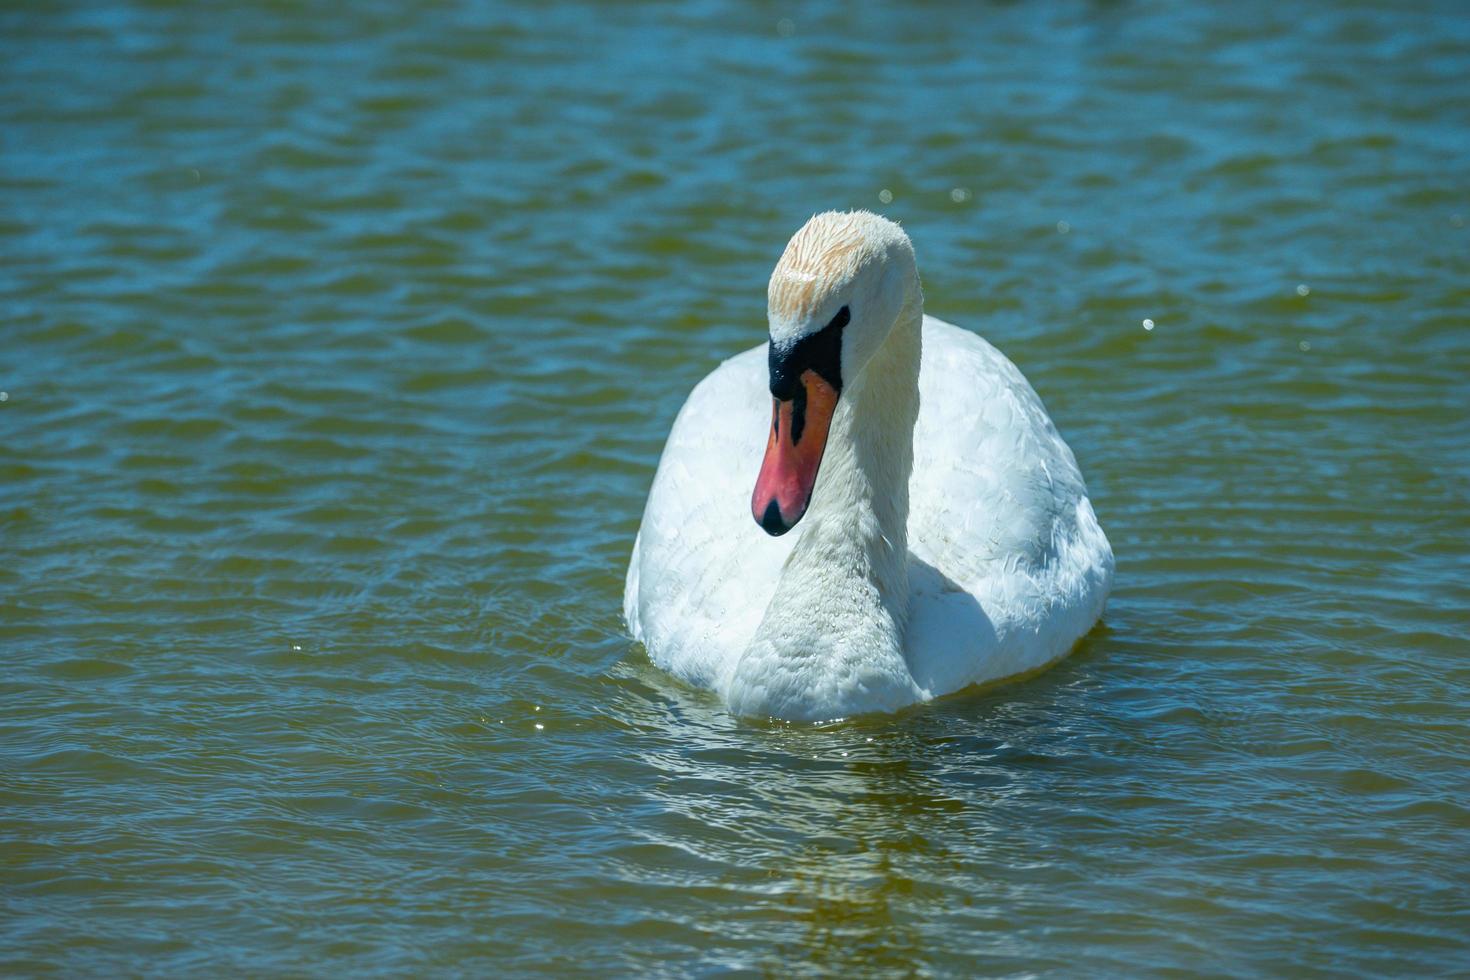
1008	565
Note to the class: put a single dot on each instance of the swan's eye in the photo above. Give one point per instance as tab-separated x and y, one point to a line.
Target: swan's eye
820	352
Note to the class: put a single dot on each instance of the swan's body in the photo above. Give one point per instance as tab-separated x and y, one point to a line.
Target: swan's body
949	541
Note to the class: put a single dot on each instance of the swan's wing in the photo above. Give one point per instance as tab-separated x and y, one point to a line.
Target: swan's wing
702	571
1010	565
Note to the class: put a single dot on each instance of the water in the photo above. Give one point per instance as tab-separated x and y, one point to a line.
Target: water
339	344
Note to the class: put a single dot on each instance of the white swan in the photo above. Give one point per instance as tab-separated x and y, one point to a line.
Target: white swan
946	536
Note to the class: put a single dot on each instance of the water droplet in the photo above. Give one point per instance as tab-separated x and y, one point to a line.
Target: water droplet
886	196
960	195
785	27
194	173
536	708
1302	289
296	647
540	727
1303	346
1063	227
4	396
1148	324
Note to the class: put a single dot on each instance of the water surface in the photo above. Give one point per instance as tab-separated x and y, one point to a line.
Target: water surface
339	345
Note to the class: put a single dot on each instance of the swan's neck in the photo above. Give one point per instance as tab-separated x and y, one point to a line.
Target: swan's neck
856	537
833	632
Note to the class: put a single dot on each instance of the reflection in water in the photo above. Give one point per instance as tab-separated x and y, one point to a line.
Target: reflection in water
838	827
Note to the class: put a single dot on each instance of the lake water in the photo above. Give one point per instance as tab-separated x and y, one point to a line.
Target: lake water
338	343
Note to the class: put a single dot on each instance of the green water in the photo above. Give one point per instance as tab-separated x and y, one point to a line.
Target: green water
339	342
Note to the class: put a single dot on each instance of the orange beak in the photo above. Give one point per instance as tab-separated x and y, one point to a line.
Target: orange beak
793	454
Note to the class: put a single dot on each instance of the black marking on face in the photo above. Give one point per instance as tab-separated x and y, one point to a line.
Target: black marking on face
820	352
798	413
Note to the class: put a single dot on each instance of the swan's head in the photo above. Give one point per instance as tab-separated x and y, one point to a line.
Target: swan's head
833	298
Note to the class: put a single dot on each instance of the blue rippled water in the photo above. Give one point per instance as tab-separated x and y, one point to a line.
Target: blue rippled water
339	345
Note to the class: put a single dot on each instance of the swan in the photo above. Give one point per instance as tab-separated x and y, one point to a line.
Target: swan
945	535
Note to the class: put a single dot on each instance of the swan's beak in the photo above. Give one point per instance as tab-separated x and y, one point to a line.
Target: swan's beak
793	454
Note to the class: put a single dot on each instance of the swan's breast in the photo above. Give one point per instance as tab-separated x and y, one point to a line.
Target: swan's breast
705	569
